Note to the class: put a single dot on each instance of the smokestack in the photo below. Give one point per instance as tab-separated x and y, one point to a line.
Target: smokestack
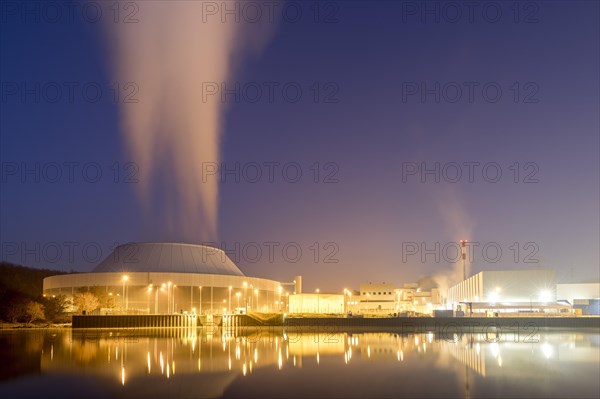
298	287
464	258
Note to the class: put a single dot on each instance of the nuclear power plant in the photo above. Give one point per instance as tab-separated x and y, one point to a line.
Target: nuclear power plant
169	278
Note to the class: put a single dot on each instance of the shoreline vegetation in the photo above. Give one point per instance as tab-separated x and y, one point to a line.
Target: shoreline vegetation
34	326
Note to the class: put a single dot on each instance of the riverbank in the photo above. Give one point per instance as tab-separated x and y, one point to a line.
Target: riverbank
400	324
27	326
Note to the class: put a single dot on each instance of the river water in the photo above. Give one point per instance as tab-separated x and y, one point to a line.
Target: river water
274	363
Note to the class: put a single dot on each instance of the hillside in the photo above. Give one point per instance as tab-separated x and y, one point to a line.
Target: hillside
19	284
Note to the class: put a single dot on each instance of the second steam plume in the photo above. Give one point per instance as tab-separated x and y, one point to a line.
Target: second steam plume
173	130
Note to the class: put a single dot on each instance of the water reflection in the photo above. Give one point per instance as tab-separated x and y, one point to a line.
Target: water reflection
201	363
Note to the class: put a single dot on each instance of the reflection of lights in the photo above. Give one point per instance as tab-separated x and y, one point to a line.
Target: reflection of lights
294	361
477	348
148	362
318	358
369	351
495	349
280	360
123	376
430	337
162	364
244	369
401	356
398	355
168	371
229	363
547	350
500	361
255	355
173	367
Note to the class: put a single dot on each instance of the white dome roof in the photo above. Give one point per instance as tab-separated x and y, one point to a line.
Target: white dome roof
163	257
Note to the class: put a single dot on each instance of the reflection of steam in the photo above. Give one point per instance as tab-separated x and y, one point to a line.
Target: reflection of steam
173	128
459	224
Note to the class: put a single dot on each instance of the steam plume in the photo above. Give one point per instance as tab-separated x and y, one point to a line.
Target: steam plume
459	225
173	129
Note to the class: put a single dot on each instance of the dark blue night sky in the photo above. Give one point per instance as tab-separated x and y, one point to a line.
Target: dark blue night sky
363	122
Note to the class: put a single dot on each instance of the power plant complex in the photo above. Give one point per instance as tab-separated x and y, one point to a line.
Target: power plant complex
175	278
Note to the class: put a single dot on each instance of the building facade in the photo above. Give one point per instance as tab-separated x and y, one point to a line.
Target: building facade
507	290
316	303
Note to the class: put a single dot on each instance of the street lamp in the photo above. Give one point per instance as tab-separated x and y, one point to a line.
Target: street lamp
200	307
287	295
279	289
125	279
173	299
169	305
256	293
149	292
349	300
162	289
246	296
318	301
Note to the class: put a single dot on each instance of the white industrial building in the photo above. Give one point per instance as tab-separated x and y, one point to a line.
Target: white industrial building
385	298
377	298
507	291
584	297
316	303
164	278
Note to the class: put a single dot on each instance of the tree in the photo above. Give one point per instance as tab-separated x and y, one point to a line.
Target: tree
86	302
14	311
105	300
34	311
55	309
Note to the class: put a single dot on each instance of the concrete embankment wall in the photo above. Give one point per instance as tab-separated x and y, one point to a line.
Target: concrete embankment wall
462	324
400	324
135	321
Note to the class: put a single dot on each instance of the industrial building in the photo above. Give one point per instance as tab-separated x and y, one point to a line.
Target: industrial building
378	298
584	297
316	303
385	298
166	278
507	291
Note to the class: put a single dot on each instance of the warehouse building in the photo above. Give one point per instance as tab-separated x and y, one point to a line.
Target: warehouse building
506	291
